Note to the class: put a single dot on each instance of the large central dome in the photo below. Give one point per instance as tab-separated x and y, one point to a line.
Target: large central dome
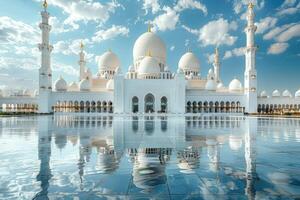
149	42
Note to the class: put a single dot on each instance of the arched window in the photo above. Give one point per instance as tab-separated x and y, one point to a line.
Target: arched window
149	103
135	104
164	104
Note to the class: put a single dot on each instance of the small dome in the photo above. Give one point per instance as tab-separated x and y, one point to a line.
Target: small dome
297	94
286	93
149	66
73	87
189	62
235	85
60	85
275	93
149	42
131	68
220	86
210	85
110	84
108	61
26	92
84	85
235	142
167	69
263	94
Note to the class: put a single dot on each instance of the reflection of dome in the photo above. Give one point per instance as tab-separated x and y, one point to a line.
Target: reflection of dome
286	93
107	159
275	93
235	142
189	62
188	159
60	85
131	68
210	85
263	94
110	84
149	42
60	141
84	85
149	67
108	62
235	85
36	93
297	94
26	92
73	87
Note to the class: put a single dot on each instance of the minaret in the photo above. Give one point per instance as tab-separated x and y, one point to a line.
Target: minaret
45	72
81	62
217	65
250	69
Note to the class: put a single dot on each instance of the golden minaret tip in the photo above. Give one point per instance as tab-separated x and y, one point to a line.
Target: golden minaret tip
149	27
45	4
81	45
250	5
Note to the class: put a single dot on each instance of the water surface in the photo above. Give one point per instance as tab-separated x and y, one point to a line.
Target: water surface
98	157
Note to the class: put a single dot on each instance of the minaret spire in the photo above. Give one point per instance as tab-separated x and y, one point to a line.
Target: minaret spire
45	72
81	62
217	65
250	67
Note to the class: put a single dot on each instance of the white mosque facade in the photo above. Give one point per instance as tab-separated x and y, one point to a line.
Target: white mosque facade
149	86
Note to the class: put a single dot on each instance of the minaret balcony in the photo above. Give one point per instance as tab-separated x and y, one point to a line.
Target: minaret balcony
45	27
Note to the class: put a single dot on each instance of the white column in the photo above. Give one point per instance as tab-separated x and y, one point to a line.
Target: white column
250	79
217	66
45	72
81	62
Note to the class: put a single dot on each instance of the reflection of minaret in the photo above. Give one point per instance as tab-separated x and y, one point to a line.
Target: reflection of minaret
44	152
213	154
250	157
84	156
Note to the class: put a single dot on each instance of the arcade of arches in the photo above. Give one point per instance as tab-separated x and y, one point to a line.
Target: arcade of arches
149	104
84	106
277	108
214	107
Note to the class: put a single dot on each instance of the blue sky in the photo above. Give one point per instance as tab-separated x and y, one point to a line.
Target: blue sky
182	24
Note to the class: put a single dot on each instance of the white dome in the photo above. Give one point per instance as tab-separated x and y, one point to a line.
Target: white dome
263	94
149	42
60	84
131	68
297	94
220	86
286	93
235	142
73	87
275	93
189	62
84	85
210	85
108	61
110	84
149	66
235	85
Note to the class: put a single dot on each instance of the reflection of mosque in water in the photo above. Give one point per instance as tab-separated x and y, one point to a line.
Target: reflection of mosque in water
150	144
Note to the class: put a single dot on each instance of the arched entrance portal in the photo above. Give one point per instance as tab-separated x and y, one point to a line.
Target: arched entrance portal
149	103
135	105
164	104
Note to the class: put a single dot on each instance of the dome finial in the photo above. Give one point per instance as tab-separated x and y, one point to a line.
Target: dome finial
45	4
149	26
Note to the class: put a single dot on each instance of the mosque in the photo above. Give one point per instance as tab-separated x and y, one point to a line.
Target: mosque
139	89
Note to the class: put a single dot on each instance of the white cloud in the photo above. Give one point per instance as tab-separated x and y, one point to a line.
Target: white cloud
190	4
110	33
79	10
234	52
210	58
152	5
278	48
215	33
283	33
288	3
276	31
63	68
17	32
60	27
288	7
265	24
166	21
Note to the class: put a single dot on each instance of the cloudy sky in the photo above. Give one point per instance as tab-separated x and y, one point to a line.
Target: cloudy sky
200	25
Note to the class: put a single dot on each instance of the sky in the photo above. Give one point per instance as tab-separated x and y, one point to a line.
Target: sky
198	25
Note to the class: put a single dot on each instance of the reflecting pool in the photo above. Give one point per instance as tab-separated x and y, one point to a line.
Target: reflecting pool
104	157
